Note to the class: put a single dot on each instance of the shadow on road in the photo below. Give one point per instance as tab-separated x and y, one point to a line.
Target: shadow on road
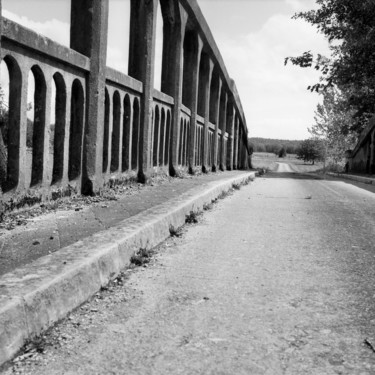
292	175
306	176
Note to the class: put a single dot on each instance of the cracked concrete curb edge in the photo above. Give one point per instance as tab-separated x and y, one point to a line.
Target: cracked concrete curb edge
34	297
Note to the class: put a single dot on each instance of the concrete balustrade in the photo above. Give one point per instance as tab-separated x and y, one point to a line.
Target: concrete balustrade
108	125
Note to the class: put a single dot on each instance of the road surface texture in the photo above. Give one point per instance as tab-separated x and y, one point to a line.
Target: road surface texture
278	278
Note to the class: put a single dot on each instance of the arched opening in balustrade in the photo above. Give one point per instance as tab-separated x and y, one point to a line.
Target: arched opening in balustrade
162	137
167	139
222	126
135	134
203	79
115	149
230	130
11	84
156	136
211	148
199	148
58	123
126	132
4	123
181	142
235	142
118	35
152	135
107	114
76	130
186	132
214	96
36	116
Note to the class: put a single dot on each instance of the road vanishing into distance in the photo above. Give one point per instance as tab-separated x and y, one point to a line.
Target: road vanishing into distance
278	278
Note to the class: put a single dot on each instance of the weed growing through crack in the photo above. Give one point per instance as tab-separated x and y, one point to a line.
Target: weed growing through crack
192	218
175	232
208	206
224	194
141	257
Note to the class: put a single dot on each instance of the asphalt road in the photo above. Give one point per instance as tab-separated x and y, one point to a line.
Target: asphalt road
278	278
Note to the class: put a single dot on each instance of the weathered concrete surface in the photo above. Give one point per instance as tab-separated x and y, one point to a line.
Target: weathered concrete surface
44	291
48	233
278	279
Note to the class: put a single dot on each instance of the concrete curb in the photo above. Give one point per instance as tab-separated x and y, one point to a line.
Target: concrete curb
36	296
365	180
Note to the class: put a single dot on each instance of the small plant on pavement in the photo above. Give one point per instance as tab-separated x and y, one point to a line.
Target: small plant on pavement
224	194
175	232
192	218
141	257
207	206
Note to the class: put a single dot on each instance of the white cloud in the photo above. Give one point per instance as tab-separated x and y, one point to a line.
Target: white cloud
274	96
301	5
53	29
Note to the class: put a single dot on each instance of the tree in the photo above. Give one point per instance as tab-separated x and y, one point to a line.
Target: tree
260	148
290	150
350	29
311	150
282	152
332	125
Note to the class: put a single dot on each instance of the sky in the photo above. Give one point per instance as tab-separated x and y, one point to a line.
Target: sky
253	36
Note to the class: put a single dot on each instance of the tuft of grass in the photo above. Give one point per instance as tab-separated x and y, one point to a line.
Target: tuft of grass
141	257
236	186
208	206
224	194
192	218
175	232
261	171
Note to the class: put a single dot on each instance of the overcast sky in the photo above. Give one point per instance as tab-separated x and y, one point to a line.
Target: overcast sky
254	37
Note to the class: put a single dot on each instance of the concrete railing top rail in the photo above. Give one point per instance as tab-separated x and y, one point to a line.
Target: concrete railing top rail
32	40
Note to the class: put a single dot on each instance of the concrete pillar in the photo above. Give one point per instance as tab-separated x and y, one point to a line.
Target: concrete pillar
223	128
141	67
207	77
230	130
68	115
48	147
23	180
217	124
191	82
172	71
88	35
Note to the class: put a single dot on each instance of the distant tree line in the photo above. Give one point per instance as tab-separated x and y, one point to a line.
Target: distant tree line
279	147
